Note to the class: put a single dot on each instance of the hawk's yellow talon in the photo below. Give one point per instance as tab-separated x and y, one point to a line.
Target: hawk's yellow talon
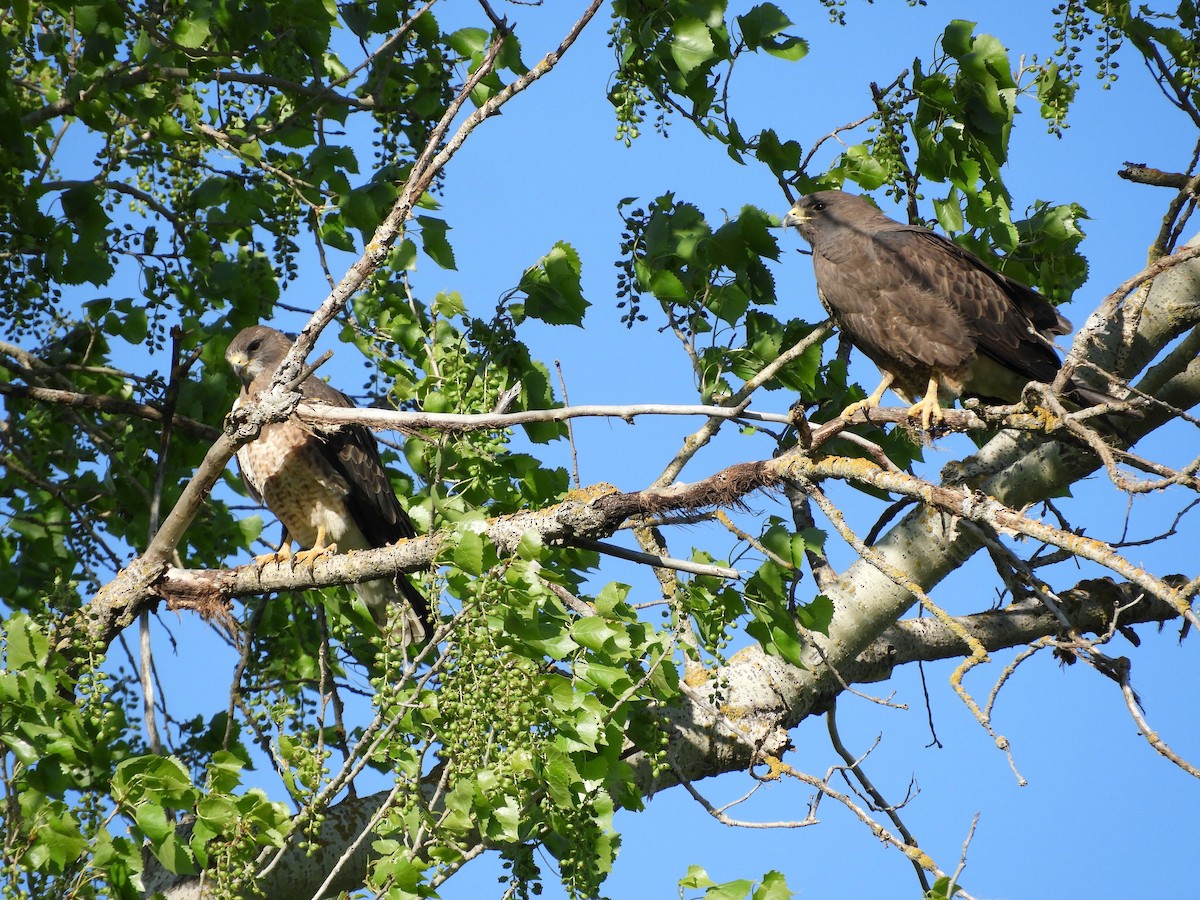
928	408
318	549
872	400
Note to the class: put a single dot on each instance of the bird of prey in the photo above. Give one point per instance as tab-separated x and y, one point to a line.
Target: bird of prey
327	485
932	316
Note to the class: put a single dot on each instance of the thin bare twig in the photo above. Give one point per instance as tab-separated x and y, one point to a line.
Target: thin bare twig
657	560
892	812
1151	736
562	383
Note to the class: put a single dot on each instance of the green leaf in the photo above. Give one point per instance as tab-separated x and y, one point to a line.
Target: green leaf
250	528
610	602
817	614
531	546
135	325
696	877
192	33
553	289
730	890
956	40
468	552
433	241
762	28
787	546
449	304
404	256
773	887
942	889
597	634
666	286
781	158
57	839
788	47
773	625
469	41
158	779
691	44
152	819
949	213
174	854
762	22
612	679
560	777
863	168
24	643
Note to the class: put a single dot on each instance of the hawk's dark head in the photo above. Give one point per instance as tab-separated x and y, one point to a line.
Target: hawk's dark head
828	215
256	350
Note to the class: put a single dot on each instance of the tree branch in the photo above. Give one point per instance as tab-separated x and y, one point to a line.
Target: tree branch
410	422
109	405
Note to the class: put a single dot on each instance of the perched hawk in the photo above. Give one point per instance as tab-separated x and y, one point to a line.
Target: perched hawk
936	321
326	485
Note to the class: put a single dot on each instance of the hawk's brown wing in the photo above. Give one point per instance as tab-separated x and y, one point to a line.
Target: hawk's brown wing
1012	323
352	451
892	308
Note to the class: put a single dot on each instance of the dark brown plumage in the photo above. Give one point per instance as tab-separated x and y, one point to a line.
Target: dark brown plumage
932	316
326	485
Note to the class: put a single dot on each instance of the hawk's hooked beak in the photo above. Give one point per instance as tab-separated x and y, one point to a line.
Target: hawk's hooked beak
795	218
239	363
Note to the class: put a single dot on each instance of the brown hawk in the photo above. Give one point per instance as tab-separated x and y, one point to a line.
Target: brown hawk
932	316
326	485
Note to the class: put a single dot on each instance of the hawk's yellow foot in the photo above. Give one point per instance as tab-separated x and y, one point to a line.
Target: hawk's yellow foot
278	557
928	408
317	550
872	400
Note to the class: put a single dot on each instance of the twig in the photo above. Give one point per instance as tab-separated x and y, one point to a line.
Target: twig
739	401
962	860
1099	319
353	846
562	382
656	560
720	815
723	517
958	501
569	600
855	766
106	404
779	768
432	159
816	645
1149	733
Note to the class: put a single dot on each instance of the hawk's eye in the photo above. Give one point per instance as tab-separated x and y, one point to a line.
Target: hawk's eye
818	205
253	346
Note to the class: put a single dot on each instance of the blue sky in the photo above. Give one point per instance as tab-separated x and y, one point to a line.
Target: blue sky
549	169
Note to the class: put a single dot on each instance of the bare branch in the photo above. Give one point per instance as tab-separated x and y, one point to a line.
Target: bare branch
410	422
109	405
651	559
854	765
1149	733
